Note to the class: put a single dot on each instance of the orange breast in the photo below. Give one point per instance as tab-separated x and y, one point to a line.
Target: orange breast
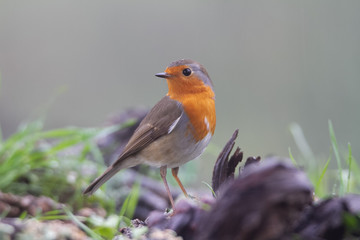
200	108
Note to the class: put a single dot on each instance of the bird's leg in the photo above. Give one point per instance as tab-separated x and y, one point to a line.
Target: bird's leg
163	176
175	174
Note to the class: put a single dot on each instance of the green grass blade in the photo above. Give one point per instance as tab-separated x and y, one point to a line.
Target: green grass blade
66	143
134	198
337	157
128	207
96	152
301	142
23	215
60	133
124	206
350	166
1	137
318	183
53	217
292	158
86	229
211	189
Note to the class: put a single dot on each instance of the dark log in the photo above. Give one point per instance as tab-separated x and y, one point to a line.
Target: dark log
184	222
264	202
252	160
224	168
331	219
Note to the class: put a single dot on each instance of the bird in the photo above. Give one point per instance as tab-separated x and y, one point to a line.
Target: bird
175	131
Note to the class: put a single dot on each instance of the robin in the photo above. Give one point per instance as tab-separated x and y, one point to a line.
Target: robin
176	130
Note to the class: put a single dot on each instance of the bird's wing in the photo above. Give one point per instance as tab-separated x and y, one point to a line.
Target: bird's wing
161	120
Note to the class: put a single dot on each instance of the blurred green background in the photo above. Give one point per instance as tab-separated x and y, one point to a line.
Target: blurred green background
272	63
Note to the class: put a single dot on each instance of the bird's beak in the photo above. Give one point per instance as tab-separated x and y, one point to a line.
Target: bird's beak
163	75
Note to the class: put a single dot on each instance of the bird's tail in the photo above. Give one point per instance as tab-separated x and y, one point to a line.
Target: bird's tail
109	172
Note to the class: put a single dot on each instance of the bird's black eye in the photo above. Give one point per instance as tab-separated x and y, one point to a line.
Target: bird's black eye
187	71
